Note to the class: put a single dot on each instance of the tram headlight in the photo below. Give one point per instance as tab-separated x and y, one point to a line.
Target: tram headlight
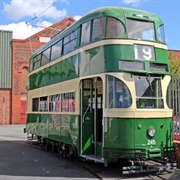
151	131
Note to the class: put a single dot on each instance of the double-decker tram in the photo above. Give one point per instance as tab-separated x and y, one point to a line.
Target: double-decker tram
99	89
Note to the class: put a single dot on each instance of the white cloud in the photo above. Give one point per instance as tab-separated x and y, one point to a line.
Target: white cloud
17	9
77	17
133	2
22	30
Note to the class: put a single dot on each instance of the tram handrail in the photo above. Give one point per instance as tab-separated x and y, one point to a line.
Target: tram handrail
85	112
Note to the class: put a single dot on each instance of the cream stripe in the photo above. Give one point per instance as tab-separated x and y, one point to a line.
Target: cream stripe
101	43
132	112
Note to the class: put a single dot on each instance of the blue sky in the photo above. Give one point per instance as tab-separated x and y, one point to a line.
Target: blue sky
14	14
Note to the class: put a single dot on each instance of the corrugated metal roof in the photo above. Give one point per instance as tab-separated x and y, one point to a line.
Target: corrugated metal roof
5	58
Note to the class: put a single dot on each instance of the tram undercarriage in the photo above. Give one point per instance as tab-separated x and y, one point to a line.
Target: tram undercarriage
132	165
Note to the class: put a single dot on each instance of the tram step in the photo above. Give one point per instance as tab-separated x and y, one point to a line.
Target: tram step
93	157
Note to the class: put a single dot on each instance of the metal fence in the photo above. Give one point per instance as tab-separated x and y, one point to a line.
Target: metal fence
175	95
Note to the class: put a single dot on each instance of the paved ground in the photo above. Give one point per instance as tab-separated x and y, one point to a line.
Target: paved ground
20	161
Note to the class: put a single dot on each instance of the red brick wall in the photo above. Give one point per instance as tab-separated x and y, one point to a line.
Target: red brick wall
175	53
21	52
5	106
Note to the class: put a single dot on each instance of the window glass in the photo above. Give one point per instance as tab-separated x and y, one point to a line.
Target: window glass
54	103
115	28
169	97
31	65
37	61
70	42
66	39
44	103
37	64
35	104
73	35
56	50
160	34
45	57
118	94
68	102
69	46
85	33
140	30
98	29
148	92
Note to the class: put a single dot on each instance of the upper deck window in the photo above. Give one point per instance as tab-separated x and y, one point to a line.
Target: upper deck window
70	42
160	34
45	57
98	30
37	61
85	33
140	30
56	50
115	28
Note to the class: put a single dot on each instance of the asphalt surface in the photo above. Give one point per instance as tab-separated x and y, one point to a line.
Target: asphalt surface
20	160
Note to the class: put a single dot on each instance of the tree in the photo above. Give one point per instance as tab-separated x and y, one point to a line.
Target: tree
174	64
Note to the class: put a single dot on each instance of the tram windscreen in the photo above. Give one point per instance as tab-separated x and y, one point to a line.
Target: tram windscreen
140	30
118	94
148	92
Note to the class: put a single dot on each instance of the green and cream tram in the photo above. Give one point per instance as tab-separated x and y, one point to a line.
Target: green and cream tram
99	89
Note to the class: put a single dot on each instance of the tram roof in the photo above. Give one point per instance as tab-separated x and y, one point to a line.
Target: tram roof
119	12
113	11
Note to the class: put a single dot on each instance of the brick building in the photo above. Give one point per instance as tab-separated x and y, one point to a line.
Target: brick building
21	51
175	53
5	76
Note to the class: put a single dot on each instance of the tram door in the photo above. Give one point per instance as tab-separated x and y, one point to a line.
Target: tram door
91	116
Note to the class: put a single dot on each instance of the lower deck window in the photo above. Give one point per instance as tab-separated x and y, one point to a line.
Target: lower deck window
149	103
68	102
54	103
148	92
118	94
44	103
35	104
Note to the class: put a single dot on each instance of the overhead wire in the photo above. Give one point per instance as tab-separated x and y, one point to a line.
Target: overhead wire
35	17
92	6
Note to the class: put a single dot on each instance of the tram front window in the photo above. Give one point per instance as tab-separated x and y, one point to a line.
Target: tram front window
148	92
160	34
140	30
118	95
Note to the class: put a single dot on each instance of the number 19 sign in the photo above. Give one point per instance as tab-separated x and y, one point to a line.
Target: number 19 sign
142	52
